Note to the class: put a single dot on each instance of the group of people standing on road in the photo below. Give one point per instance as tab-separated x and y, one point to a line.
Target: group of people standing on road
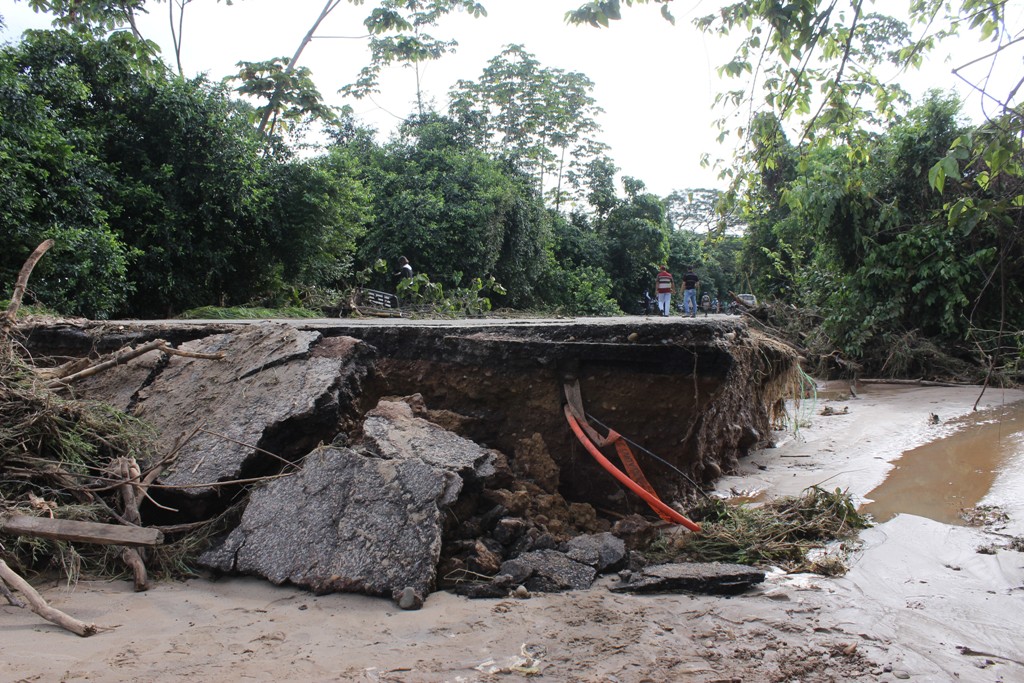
664	286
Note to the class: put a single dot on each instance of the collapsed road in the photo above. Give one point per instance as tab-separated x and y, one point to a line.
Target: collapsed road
415	455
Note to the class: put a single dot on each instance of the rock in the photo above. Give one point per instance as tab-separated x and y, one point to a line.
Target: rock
499	586
522	592
604	552
533	461
275	380
508	530
409	599
483	560
694	577
548	571
637	531
344	523
392	431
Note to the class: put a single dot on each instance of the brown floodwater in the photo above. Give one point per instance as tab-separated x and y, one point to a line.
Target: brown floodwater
941	478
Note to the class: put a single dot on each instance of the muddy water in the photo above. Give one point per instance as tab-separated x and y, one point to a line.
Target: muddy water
941	478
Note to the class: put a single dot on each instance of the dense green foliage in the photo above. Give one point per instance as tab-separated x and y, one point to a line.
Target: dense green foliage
891	223
155	188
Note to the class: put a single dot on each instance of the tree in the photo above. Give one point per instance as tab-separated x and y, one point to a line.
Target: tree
536	116
161	182
447	206
291	96
824	68
636	233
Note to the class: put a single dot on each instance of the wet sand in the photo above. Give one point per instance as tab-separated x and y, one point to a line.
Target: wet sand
919	602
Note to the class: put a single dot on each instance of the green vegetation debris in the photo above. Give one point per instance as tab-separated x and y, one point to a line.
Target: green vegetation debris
779	533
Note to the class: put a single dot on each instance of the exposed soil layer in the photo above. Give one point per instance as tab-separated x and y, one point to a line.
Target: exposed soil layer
698	393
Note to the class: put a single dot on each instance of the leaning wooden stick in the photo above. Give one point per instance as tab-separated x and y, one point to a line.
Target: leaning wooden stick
8	318
38	605
9	596
128	470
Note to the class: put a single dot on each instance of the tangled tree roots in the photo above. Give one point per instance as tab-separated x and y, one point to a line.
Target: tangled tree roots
780	533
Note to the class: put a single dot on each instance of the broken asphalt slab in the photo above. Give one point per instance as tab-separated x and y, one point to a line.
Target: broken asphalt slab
718	578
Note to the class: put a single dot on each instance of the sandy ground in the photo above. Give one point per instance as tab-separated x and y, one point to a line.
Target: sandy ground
919	602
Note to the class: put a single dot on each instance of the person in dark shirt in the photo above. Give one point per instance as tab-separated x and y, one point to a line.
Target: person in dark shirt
691	283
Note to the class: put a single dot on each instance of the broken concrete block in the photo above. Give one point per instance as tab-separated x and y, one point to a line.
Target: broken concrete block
344	523
278	389
693	577
548	571
392	431
119	385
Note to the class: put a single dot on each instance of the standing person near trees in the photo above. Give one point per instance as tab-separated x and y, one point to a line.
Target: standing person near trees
691	283
404	269
663	286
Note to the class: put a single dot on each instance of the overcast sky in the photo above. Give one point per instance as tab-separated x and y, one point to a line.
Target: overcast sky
655	81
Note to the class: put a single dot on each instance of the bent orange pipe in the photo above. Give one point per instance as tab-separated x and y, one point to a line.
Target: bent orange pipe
656	504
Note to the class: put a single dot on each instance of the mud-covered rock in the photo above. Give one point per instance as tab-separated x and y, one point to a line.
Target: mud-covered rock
278	390
532	461
636	531
604	552
344	523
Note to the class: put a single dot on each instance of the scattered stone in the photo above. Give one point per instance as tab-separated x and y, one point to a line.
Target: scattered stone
695	577
499	586
637	531
409	599
522	592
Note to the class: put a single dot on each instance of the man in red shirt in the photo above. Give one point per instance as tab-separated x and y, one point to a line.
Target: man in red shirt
663	287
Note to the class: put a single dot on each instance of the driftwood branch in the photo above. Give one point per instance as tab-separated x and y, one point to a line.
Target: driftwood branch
8	318
130	490
119	359
193	354
86	532
125	356
38	605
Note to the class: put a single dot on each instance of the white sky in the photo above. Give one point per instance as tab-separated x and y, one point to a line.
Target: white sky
655	81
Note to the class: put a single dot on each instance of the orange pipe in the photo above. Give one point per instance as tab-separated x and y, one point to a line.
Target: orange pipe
659	506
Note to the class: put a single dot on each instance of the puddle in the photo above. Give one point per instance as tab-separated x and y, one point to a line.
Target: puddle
940	478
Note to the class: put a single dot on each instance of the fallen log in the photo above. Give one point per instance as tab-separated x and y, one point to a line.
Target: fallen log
86	532
916	382
38	605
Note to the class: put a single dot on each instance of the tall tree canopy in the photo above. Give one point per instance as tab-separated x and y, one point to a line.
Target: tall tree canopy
540	117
